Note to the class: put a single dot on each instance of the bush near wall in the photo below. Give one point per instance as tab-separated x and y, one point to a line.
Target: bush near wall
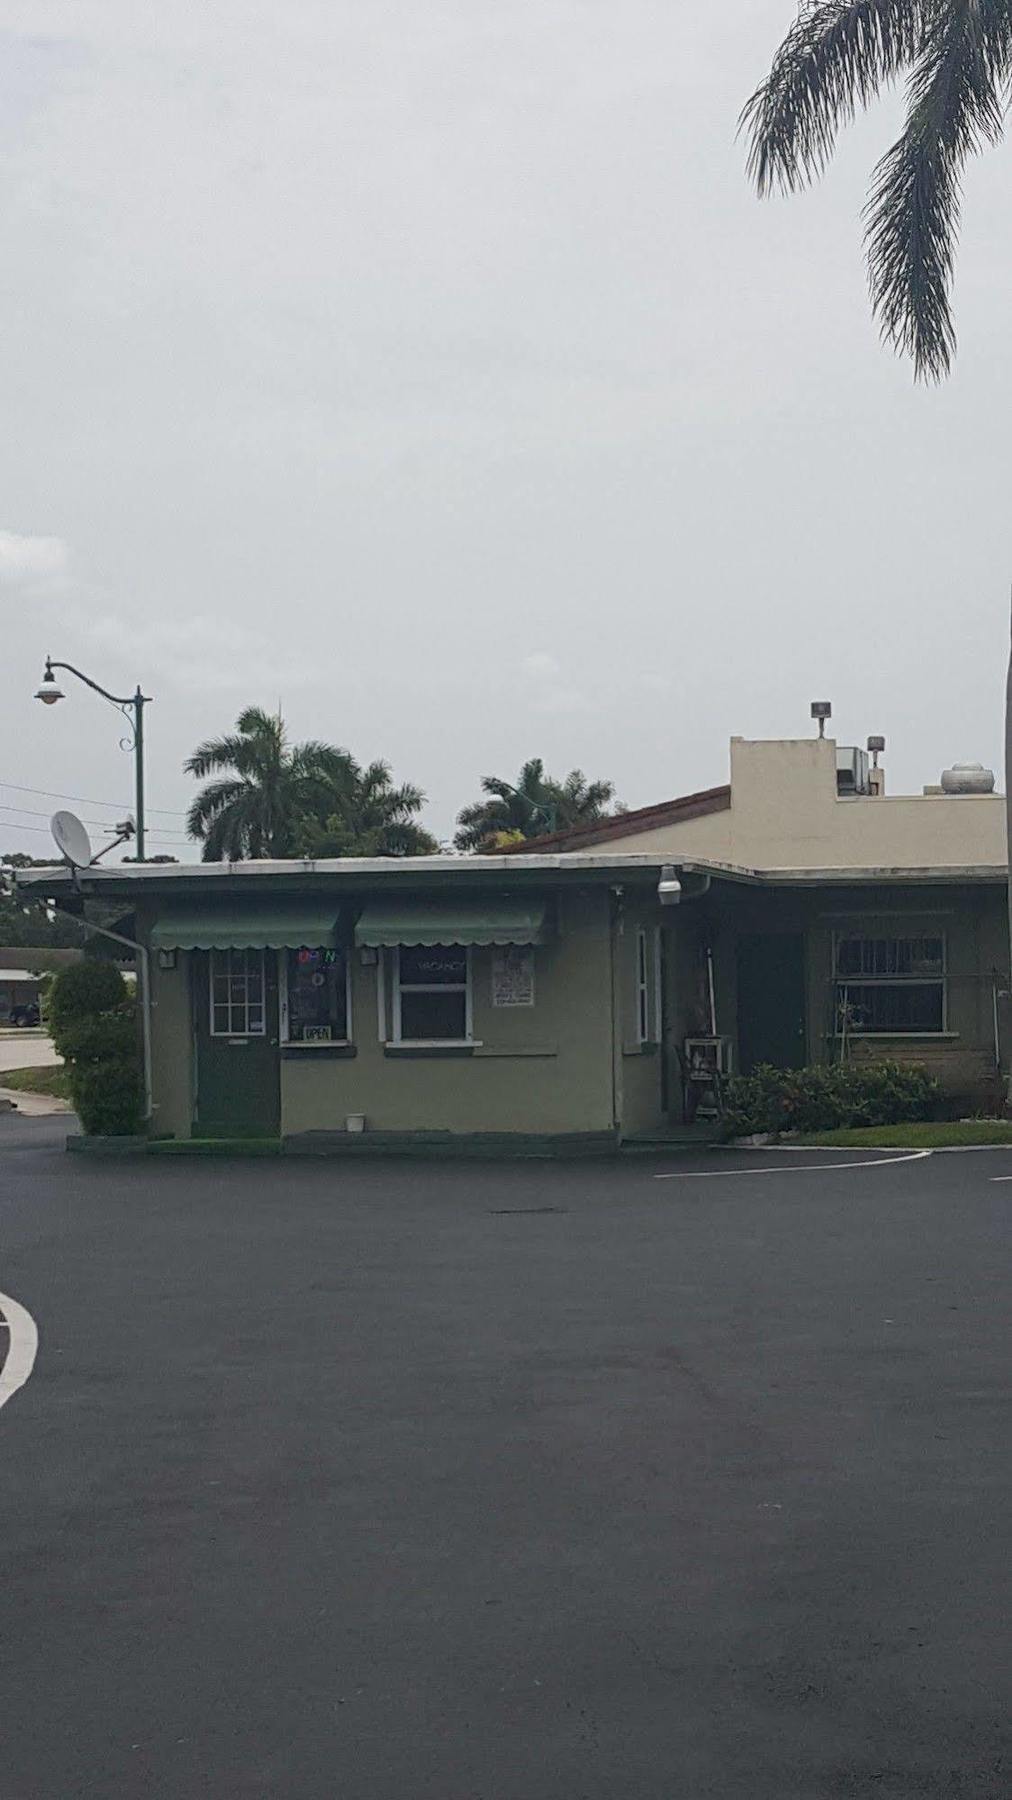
827	1096
93	1019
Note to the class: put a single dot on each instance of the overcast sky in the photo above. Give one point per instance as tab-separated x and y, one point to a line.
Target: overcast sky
428	366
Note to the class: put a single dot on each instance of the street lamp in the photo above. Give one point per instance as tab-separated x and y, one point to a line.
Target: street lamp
49	691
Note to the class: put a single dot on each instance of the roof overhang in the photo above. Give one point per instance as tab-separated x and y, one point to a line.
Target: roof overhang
431	873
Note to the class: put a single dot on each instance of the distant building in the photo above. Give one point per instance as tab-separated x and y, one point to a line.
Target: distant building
19	988
811	804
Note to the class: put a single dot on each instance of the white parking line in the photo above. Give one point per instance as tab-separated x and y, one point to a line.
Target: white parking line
876	1162
1001	1178
21	1350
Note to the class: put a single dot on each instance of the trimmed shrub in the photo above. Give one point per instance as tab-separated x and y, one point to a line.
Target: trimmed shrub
826	1096
108	1097
82	991
94	1024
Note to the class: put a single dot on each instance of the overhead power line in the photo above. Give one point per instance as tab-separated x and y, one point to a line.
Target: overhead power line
83	800
15	825
32	812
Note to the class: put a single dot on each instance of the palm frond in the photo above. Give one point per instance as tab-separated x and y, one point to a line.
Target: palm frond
955	106
327	761
836	57
253	721
214	753
209	803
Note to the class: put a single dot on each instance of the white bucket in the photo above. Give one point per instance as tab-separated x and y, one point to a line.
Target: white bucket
355	1122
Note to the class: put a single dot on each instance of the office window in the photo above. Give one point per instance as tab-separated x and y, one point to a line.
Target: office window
237	993
890	985
432	993
315	996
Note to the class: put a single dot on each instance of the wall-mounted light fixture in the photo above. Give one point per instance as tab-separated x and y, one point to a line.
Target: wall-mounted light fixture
669	888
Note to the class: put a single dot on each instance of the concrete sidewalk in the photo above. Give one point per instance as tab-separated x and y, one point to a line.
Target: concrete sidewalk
33	1106
26	1050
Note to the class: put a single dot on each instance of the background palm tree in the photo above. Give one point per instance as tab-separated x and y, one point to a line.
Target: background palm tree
536	804
838	55
256	808
368	817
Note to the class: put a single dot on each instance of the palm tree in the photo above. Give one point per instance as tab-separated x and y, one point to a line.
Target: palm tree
254	810
537	804
839	54
368	816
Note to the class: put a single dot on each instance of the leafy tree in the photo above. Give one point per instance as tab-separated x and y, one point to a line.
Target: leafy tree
371	817
30	927
956	56
534	805
271	787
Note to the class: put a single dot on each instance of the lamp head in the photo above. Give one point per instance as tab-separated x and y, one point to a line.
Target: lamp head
669	888
49	691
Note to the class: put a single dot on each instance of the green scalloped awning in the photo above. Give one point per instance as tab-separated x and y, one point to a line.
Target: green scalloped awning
276	927
492	921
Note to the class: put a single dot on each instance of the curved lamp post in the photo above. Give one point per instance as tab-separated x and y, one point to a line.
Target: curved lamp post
132	706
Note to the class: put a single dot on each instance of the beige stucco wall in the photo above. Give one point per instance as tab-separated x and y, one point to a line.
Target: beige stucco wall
547	1068
785	814
171	1048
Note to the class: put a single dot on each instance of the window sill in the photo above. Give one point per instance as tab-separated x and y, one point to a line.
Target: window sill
865	1036
499	1050
306	1052
647	1048
433	1047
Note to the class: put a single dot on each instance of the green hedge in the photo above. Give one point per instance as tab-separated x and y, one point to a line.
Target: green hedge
827	1096
93	1017
84	991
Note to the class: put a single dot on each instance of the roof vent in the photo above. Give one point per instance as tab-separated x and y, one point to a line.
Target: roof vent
968	778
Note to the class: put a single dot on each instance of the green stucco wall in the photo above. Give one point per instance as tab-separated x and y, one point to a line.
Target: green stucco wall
572	1062
541	1069
171	1048
641	1073
971	918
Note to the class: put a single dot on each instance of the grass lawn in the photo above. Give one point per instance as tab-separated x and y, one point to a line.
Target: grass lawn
915	1137
53	1080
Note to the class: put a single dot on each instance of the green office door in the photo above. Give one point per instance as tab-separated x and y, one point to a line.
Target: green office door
771	1000
235	1009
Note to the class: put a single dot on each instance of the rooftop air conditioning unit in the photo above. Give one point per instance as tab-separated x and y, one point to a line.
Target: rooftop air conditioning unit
852	771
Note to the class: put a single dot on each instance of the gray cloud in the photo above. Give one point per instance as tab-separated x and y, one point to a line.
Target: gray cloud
360	354
27	561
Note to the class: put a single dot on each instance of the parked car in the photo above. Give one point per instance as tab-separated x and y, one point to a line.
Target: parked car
25	1013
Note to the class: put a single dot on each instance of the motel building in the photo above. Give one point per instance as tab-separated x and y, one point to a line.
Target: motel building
555	999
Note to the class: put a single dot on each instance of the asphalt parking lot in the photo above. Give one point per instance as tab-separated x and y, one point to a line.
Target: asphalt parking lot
416	1482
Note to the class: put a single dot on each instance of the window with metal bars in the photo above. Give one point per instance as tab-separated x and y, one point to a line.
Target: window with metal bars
890	986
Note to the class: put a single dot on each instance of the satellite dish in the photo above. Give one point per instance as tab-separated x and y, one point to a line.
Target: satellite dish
71	838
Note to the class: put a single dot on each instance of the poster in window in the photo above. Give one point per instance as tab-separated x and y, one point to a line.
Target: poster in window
512	975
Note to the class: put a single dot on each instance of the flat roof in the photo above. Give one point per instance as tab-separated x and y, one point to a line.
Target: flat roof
573	867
